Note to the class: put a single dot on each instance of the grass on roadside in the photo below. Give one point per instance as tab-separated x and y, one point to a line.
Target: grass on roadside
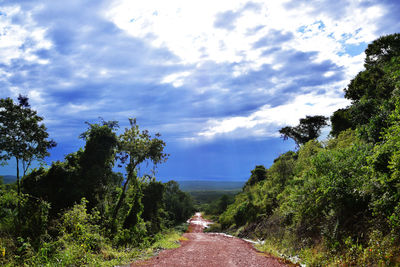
70	253
168	240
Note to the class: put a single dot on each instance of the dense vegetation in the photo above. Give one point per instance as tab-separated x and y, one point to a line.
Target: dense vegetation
79	211
335	201
210	185
330	202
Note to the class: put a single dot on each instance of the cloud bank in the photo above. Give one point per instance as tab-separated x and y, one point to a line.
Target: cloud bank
196	71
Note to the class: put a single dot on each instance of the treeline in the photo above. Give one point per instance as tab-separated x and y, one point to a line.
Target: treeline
213	203
79	211
335	202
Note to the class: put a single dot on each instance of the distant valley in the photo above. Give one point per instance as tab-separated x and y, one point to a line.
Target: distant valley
8	179
210	185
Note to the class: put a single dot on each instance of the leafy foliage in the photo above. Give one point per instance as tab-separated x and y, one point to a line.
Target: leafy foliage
85	173
69	209
22	136
135	147
178	204
308	129
372	91
97	160
336	202
257	175
153	193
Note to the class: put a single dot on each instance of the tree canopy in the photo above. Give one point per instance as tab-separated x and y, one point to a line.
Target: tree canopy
337	200
66	214
258	174
308	129
372	90
22	135
135	147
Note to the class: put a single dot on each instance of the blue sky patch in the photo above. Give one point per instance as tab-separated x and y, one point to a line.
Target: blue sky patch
355	49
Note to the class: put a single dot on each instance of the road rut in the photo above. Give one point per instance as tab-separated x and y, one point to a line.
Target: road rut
211	250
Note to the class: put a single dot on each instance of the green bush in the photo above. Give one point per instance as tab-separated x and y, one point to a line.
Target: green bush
79	227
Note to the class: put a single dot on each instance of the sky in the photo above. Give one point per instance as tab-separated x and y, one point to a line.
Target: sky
217	79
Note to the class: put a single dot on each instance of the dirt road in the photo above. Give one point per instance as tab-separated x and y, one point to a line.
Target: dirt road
209	249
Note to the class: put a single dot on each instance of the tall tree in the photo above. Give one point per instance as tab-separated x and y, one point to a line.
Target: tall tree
85	173
134	148
177	204
382	50
308	129
152	200
341	120
97	161
22	135
372	90
258	174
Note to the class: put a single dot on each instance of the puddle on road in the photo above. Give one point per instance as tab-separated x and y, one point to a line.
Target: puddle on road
198	220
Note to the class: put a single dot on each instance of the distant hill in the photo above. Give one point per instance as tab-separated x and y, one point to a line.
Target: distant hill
8	179
203	185
189	185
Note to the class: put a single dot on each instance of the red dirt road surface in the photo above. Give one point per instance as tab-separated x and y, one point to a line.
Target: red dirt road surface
210	250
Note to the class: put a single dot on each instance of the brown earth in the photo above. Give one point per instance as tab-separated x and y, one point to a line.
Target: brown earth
210	250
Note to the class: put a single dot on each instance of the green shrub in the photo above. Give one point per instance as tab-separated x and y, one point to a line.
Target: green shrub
78	226
133	237
246	212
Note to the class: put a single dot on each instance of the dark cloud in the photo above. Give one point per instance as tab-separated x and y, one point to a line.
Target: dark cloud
251	6
336	9
83	45
306	72
270	51
274	37
43	53
87	44
77	95
102	71
226	20
248	92
256	78
390	22
254	30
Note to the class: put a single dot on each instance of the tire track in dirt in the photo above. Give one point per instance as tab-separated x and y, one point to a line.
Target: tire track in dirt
211	250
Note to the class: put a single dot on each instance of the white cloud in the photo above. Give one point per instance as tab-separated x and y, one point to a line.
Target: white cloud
75	108
13	37
217	71
36	96
187	29
267	119
177	79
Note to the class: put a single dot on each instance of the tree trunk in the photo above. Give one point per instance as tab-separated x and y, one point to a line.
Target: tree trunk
18	187
131	172
133	215
119	203
18	200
